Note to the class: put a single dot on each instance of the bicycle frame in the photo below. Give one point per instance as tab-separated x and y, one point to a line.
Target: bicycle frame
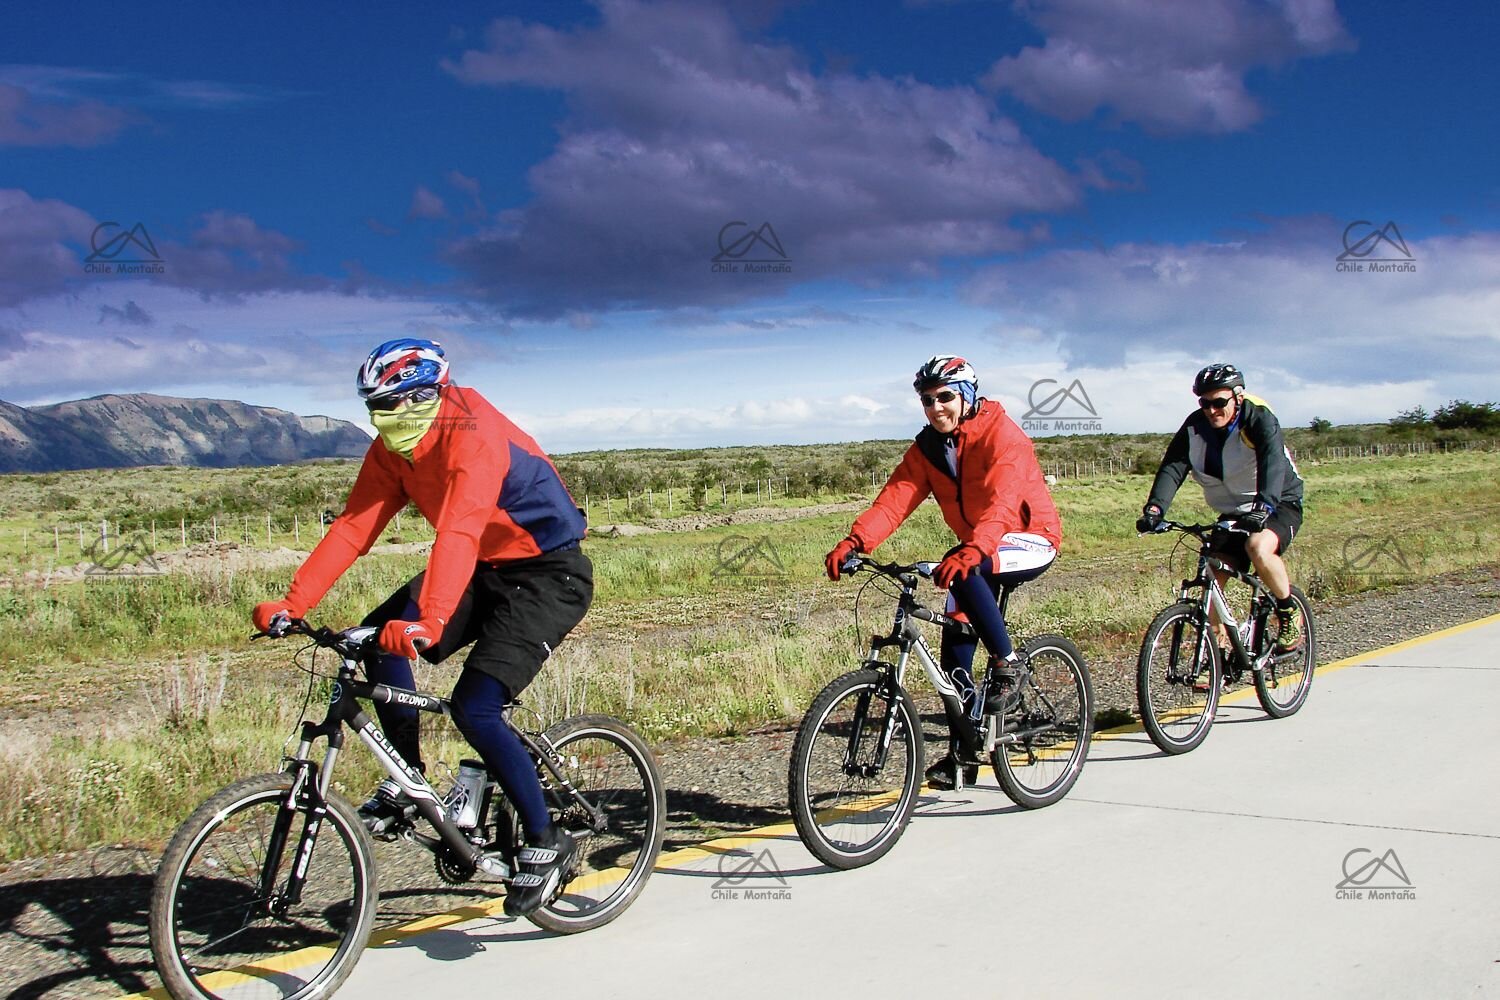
313	779
907	637
1214	600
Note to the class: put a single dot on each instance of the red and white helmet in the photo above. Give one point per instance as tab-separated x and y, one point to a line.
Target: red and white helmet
944	369
399	367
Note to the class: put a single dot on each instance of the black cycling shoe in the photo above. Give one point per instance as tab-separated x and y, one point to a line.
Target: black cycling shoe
944	774
1002	688
540	865
388	811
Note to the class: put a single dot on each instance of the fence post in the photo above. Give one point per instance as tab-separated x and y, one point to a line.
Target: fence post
268	527
296	529
153	534
182	524
104	534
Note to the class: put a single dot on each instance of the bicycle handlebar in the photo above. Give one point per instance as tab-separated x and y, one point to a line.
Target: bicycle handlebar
1199	530
855	563
345	643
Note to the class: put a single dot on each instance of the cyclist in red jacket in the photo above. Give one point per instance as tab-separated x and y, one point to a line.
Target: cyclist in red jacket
505	574
983	472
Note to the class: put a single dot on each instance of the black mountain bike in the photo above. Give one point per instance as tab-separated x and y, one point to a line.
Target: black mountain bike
1181	668
269	888
858	758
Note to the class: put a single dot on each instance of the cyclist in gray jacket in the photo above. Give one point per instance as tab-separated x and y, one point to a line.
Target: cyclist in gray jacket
1233	447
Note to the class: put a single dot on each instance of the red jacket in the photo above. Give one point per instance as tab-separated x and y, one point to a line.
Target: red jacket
998	487
487	488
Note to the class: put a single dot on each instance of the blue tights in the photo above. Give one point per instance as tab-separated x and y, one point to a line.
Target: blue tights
477	701
977	596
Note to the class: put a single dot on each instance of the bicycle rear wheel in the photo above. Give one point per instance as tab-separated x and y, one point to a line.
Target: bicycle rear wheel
850	806
1284	685
1048	733
612	768
1177	679
221	922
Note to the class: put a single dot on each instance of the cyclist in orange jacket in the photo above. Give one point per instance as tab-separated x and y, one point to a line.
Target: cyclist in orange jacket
982	470
506	574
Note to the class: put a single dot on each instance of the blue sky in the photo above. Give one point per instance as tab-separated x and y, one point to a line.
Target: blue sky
1109	191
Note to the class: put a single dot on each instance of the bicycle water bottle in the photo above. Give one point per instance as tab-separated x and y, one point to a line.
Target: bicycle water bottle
464	798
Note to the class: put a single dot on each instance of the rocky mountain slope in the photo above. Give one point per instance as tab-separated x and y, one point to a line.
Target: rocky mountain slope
115	431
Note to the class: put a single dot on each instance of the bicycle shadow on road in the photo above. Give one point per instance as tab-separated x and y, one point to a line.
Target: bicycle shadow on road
450	944
966	804
81	935
688	813
743	862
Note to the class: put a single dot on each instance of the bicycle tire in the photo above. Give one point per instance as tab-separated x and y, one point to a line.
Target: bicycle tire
1056	711
1177	701
1283	692
614	769
210	878
833	808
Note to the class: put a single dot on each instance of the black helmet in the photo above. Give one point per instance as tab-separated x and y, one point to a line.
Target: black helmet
1218	376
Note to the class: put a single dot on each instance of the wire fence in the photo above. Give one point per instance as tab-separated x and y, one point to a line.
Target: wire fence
66	542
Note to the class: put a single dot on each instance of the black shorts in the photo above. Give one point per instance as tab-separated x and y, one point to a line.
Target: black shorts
514	613
1284	524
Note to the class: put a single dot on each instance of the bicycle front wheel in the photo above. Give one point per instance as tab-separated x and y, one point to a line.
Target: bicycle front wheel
1045	740
613	770
1283	685
222	922
850	799
1177	679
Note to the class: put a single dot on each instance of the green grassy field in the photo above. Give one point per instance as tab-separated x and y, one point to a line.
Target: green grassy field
710	631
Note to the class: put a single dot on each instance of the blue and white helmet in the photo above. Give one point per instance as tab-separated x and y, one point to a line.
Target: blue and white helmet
398	368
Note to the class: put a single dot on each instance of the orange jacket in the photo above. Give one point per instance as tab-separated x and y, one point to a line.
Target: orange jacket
998	487
487	488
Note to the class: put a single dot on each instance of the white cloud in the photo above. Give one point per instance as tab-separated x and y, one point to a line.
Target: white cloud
683	123
1169	65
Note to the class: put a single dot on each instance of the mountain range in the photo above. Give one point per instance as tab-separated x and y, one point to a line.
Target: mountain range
118	431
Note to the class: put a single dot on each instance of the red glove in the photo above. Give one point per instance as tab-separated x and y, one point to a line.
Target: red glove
957	566
410	638
835	559
266	613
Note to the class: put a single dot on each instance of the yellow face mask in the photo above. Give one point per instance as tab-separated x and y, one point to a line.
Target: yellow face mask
403	428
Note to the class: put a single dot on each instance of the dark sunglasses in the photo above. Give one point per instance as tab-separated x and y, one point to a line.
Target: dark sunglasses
1215	404
421	395
946	396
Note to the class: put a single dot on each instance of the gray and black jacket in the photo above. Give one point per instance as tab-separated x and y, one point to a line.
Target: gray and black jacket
1246	463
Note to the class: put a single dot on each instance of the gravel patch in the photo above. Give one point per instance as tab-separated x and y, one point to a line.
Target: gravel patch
74	925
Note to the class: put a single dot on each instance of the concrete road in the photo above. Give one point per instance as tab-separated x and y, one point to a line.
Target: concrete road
1351	850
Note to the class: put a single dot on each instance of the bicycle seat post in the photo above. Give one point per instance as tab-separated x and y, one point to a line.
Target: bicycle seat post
1005	591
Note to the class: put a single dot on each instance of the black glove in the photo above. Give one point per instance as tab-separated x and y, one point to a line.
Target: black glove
1256	519
1149	520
